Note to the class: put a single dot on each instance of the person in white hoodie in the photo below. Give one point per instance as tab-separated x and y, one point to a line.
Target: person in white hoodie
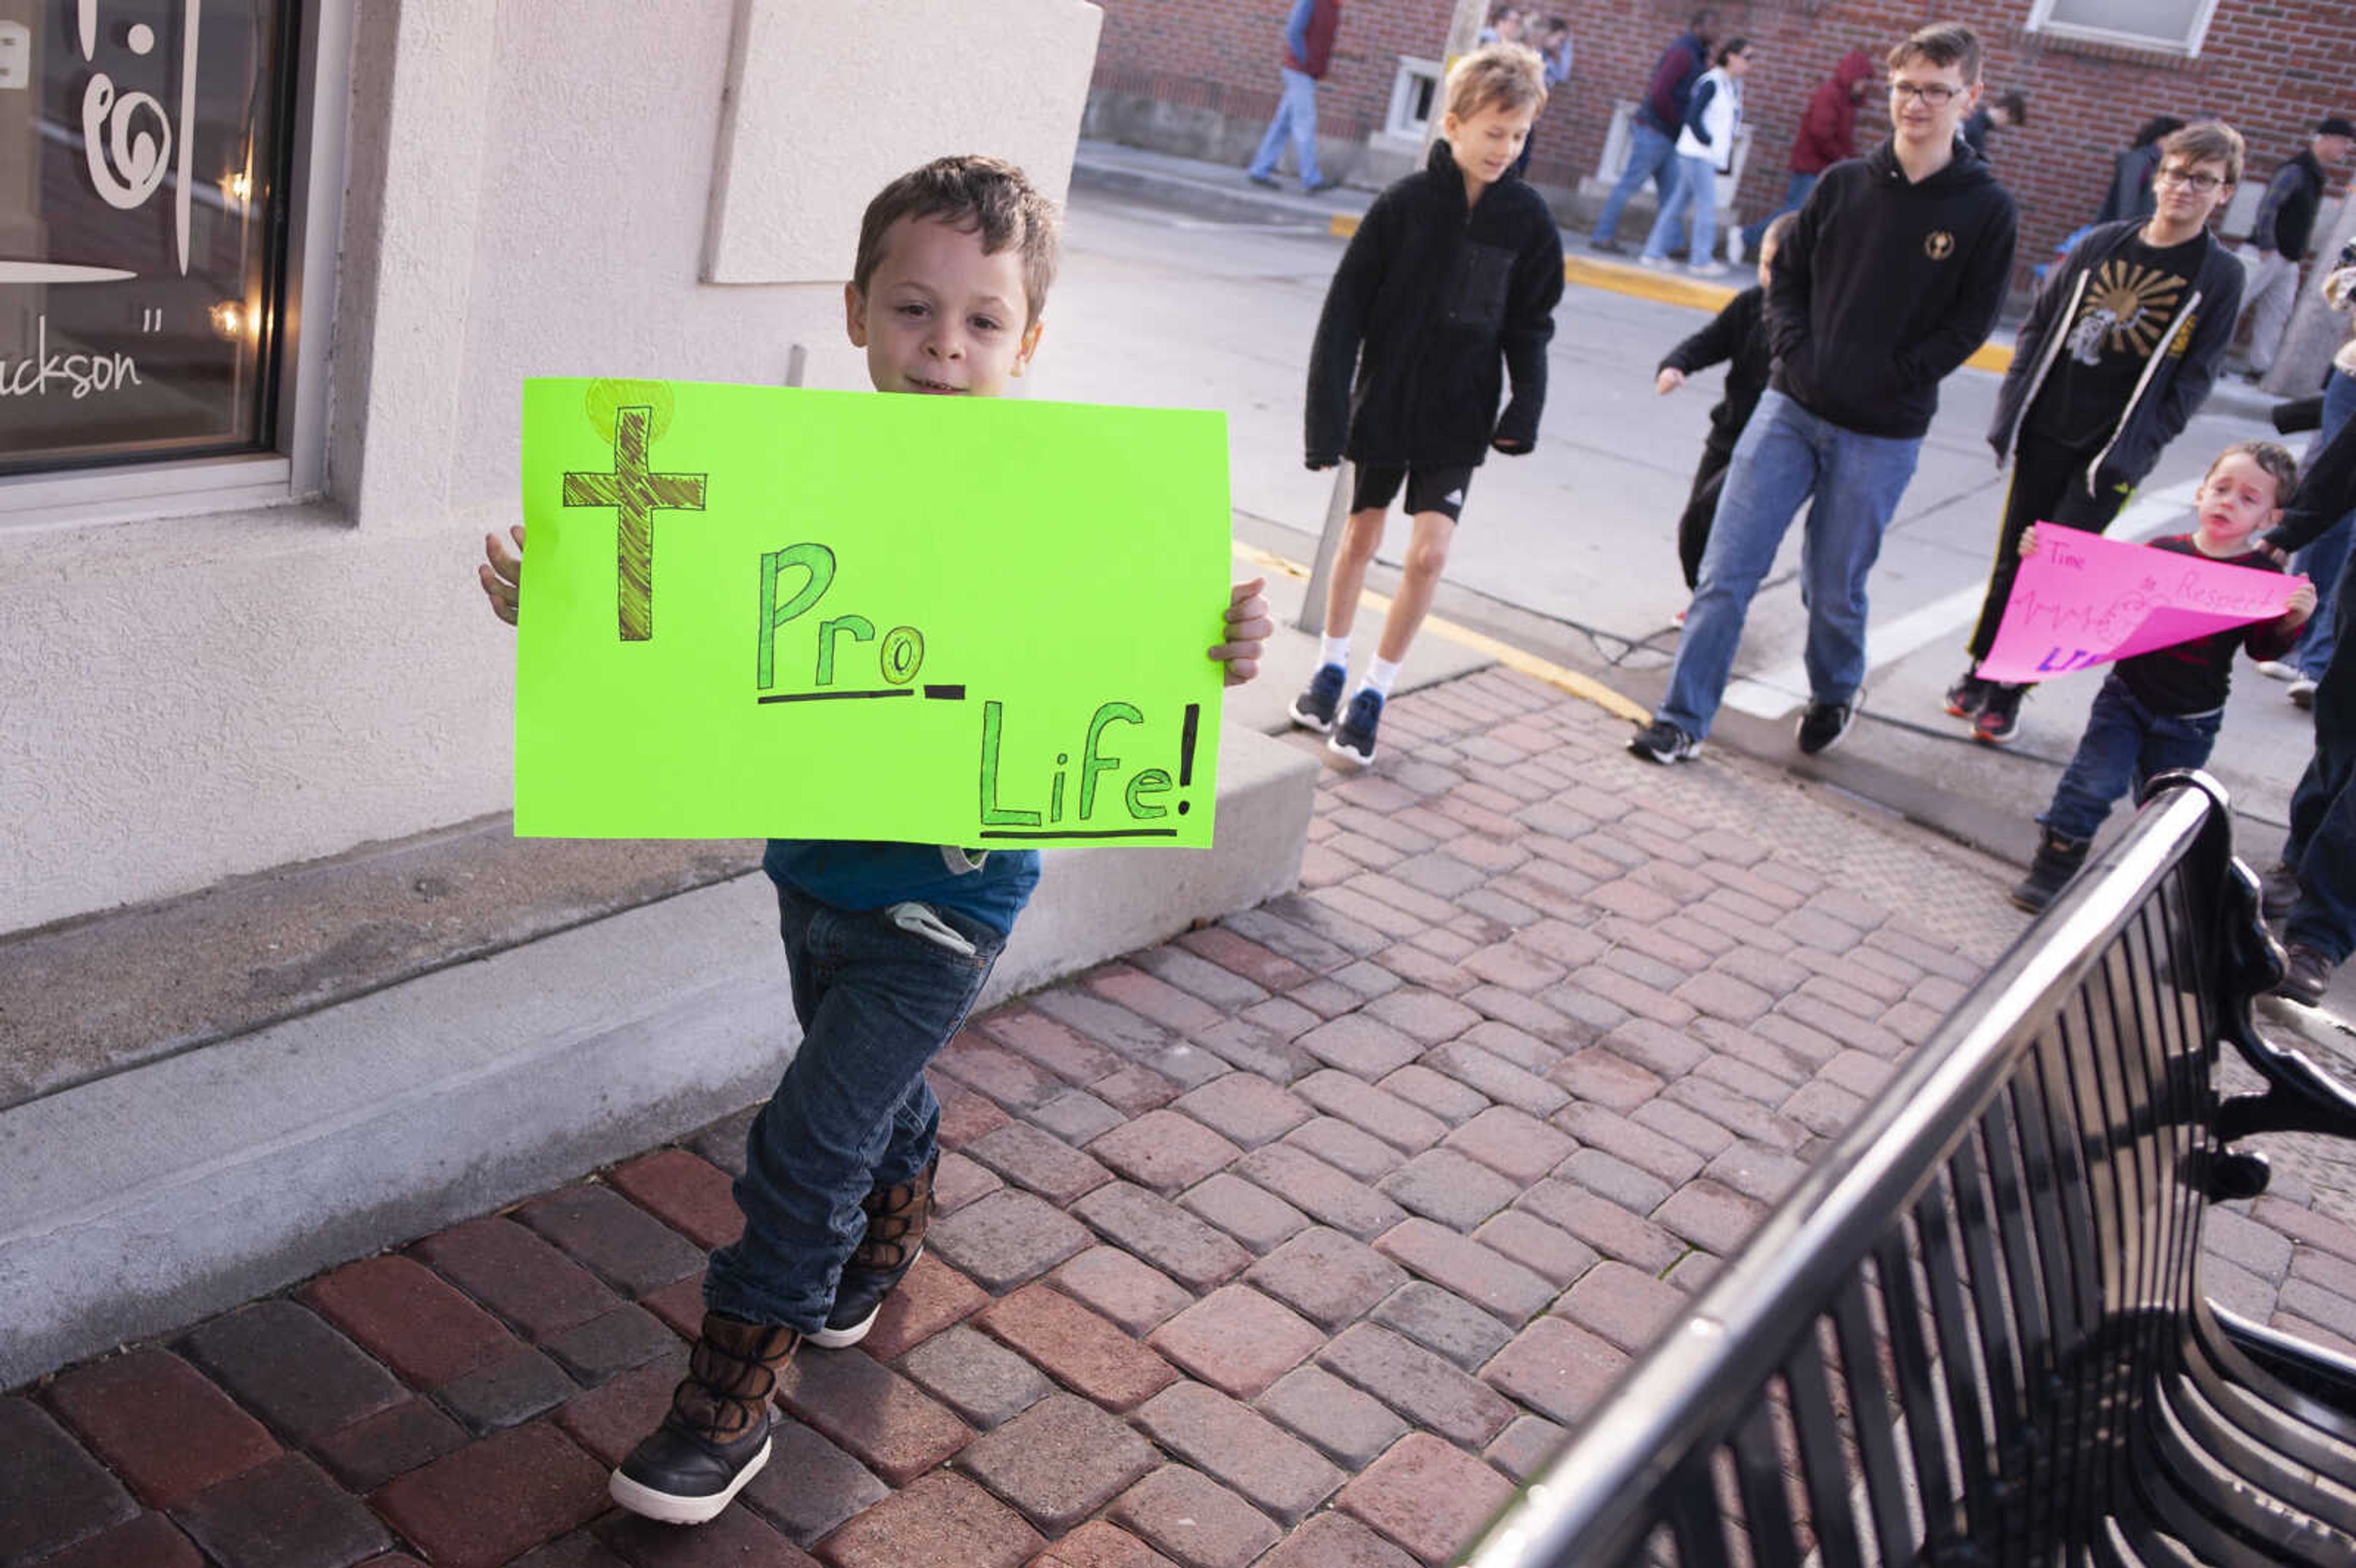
1705	150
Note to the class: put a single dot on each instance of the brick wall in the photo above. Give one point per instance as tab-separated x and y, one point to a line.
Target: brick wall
2271	68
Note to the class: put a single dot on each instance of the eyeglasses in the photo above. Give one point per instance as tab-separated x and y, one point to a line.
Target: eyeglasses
2201	184
1937	94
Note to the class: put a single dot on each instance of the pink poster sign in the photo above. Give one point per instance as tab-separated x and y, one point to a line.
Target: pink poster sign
2085	600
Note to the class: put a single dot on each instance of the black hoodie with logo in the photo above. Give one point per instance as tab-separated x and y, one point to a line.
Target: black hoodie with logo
1884	286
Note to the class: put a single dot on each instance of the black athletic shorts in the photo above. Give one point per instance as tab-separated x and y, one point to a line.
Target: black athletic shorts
1438	490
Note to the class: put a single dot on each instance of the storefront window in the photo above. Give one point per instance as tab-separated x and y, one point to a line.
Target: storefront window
143	203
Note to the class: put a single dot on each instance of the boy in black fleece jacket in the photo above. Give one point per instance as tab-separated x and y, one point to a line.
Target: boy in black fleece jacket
1891	278
1449	284
1735	338
2119	350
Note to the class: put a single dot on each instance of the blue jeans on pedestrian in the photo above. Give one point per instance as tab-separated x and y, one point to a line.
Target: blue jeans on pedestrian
853	1112
1786	455
1652	156
2322	560
2125	745
1296	116
1796	193
2322	848
1697	189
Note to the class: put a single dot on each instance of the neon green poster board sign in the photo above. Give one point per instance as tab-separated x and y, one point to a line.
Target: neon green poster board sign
762	611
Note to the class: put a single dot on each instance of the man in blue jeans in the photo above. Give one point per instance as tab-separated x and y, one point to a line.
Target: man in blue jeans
1891	278
1653	133
1308	50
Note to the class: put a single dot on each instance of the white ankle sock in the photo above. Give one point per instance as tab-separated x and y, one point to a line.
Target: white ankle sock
1334	650
1379	676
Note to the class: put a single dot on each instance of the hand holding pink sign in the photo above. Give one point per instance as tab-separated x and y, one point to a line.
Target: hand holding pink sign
2082	600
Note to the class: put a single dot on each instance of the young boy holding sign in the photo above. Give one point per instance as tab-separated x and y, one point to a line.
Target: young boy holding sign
888	943
2161	709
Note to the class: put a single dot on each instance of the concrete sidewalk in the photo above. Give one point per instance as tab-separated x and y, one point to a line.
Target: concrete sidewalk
1297	1239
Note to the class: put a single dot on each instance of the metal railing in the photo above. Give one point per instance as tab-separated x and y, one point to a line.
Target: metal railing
1972	1332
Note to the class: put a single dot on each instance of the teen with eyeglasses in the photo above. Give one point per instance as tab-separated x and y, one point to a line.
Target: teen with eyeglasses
2119	351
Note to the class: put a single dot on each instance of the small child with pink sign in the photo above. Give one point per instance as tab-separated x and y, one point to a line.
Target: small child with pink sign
2160	708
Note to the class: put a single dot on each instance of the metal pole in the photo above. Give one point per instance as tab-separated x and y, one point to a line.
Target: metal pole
1464	33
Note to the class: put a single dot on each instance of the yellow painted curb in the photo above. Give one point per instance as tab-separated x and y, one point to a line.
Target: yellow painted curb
1671	289
1512	658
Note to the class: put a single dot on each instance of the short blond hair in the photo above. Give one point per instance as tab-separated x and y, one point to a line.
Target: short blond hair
1503	76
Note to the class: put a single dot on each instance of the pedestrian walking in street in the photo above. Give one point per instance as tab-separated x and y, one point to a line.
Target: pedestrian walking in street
1705	150
1309	32
1447	289
2003	110
1653	131
1737	338
1828	135
887	945
2279	236
2322	560
1890	280
2161	709
2315	883
2119	350
2130	194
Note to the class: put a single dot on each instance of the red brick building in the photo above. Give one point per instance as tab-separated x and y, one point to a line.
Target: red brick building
1200	77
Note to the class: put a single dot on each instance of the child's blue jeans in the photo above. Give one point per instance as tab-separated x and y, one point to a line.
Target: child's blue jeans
2125	744
853	1112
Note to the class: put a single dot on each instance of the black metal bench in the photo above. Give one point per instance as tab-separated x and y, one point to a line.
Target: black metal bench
1975	1333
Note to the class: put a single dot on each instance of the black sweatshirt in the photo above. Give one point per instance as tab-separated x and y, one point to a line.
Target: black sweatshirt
2285	217
2193	678
1737	338
1432	304
2327	491
1885	286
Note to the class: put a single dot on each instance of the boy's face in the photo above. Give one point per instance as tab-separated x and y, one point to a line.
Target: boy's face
2177	188
1484	143
2237	500
1928	101
939	316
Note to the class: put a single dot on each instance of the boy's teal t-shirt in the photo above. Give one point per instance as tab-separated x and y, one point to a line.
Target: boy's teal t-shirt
858	874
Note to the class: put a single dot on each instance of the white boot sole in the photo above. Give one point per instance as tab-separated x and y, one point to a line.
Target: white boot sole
665	1508
843	1338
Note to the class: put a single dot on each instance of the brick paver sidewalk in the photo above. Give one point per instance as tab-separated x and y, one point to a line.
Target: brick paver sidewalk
1294	1241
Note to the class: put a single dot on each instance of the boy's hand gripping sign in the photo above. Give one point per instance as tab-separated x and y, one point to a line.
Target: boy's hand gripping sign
2084	600
756	611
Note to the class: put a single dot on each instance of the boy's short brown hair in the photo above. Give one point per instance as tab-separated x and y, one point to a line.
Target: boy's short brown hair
2270	456
969	192
1502	76
1942	44
1779	228
2210	142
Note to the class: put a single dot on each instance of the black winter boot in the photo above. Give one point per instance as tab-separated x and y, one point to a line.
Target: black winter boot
896	1217
2058	859
716	1437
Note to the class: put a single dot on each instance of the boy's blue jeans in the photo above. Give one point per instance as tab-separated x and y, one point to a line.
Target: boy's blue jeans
853	1112
1652	156
2322	848
2322	560
1787	455
2125	743
1296	117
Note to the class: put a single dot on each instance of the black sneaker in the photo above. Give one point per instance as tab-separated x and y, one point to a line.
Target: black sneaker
1661	741
1314	708
1607	247
1999	716
896	1217
1825	725
2307	976
1353	741
1967	696
2058	859
2301	693
2278	892
716	1437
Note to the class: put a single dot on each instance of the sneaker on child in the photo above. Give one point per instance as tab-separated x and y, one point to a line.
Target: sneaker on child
1967	696
2058	859
2306	977
2301	693
1353	741
1999	716
1314	708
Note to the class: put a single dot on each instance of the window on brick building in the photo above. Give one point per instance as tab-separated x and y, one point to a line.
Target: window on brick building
2176	25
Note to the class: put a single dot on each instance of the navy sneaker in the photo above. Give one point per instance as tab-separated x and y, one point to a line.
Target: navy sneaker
1352	739
1314	708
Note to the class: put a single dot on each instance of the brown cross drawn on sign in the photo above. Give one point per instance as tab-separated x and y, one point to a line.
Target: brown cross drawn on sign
636	493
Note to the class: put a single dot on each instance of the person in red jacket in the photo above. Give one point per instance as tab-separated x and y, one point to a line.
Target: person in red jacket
1308	50
1828	135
